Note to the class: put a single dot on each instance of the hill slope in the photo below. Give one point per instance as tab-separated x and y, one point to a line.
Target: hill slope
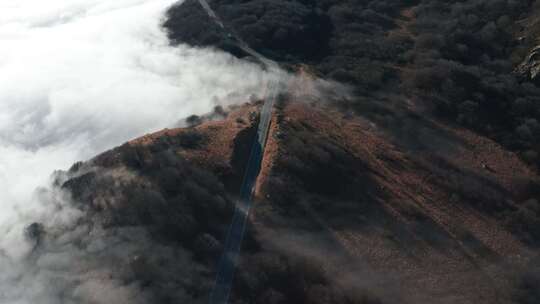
458	59
345	211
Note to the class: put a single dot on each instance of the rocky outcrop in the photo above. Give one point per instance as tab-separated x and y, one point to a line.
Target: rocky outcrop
530	68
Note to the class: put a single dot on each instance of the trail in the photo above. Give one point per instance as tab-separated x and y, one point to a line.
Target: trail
227	265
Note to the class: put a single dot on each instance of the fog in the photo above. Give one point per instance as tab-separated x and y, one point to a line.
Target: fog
78	77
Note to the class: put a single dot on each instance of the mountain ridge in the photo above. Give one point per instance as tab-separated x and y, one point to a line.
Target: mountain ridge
332	182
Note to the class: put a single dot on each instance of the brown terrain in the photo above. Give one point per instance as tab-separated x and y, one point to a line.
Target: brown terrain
346	210
419	220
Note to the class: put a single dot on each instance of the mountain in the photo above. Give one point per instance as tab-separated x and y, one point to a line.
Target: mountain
409	175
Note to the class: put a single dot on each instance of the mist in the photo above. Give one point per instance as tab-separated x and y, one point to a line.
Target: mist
78	77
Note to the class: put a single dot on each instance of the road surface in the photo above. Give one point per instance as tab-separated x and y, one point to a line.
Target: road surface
227	265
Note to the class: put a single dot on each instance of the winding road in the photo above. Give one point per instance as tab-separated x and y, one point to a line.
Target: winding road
227	265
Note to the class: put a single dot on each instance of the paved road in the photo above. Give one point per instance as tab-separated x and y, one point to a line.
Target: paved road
229	259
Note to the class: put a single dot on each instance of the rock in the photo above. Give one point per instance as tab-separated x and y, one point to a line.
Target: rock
530	67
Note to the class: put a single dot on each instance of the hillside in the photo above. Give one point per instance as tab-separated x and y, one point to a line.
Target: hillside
345	212
459	60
